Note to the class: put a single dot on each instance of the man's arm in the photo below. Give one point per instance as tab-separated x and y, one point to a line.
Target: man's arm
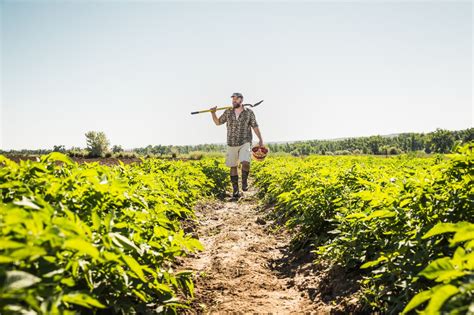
254	125
259	135
218	120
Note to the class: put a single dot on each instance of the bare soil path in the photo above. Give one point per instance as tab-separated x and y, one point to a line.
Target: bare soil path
243	268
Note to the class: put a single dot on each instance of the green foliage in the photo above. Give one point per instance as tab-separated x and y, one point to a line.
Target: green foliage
59	148
97	143
441	141
117	149
455	293
75	237
371	214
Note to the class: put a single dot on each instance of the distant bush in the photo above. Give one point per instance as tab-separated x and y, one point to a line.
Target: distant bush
342	152
394	151
77	153
59	148
127	155
196	155
295	153
357	152
97	143
117	148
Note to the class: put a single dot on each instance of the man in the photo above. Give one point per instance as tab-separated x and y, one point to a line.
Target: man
239	122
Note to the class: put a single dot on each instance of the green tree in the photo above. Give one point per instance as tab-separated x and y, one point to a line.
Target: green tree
97	143
59	148
117	149
441	141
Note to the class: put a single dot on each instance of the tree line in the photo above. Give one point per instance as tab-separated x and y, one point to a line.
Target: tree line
438	141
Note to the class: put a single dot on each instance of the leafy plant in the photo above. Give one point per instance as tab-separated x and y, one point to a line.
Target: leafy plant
75	237
370	214
453	288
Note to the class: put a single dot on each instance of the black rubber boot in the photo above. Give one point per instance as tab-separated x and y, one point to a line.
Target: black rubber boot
245	176
234	179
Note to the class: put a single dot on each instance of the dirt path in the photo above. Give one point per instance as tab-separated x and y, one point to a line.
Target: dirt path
241	269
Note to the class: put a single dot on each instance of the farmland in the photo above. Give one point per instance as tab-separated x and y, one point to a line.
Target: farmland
86	237
405	224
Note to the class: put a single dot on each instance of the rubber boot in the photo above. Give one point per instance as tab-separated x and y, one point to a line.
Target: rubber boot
235	185
245	176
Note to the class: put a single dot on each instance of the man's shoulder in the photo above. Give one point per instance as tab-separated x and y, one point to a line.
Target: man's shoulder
250	112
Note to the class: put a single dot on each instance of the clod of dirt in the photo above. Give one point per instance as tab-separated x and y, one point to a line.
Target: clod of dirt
260	221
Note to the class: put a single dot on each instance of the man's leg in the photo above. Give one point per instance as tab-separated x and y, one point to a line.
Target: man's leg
245	174
232	160
234	178
244	156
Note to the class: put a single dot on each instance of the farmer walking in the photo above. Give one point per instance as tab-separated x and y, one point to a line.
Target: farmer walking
239	121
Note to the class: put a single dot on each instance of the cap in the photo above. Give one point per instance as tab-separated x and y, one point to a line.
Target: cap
237	95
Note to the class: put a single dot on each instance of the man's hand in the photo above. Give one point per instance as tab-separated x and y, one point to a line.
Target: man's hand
214	116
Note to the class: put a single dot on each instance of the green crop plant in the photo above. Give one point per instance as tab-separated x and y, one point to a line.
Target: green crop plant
452	289
371	213
79	238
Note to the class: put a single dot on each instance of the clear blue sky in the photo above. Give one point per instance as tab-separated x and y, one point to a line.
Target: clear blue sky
135	70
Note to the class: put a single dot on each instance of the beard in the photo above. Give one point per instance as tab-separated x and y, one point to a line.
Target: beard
236	104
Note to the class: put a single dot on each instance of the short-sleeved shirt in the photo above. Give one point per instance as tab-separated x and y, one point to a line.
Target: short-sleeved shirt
238	128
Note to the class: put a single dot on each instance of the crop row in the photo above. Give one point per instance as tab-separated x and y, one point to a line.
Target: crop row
405	223
88	238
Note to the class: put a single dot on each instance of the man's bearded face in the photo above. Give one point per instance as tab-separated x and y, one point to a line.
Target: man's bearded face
236	101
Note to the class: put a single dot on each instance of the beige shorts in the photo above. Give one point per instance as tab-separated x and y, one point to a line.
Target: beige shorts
236	154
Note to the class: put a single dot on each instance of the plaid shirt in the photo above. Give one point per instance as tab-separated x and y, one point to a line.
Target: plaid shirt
238	129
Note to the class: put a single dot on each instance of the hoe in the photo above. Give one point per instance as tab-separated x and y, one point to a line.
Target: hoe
227	107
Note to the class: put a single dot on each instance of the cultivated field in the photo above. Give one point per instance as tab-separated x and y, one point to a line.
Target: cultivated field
320	233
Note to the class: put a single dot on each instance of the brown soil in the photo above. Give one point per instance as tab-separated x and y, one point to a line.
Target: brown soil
247	267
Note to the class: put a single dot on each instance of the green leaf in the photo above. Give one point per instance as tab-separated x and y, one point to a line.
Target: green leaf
404	202
6	259
374	262
82	247
95	220
440	295
17	279
441	269
31	252
8	163
134	266
442	228
56	156
140	294
7	244
82	299
380	214
417	300
68	281
121	241
463	235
